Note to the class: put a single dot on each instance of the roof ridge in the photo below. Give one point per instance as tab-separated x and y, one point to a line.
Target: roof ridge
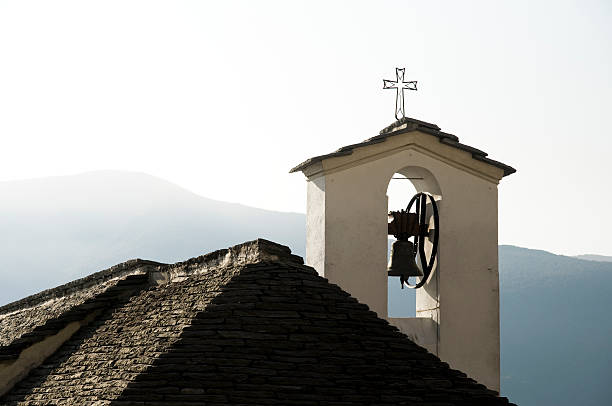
405	121
254	251
250	252
116	271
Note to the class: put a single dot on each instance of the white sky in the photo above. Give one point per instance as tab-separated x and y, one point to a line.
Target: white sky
223	98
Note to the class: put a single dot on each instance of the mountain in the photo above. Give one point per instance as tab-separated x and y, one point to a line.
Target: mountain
54	230
593	257
556	327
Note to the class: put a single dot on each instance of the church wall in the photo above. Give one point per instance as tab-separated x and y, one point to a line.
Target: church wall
355	235
468	280
315	223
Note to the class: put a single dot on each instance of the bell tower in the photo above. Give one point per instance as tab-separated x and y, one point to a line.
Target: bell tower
347	228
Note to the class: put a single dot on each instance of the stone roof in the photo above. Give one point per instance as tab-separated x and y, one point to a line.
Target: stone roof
246	325
35	317
403	126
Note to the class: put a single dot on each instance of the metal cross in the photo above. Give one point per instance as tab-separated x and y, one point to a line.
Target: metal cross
399	85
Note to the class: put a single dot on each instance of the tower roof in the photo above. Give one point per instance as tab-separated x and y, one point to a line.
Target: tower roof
246	325
403	126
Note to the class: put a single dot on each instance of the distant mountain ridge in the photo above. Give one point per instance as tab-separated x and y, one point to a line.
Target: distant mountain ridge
595	257
555	310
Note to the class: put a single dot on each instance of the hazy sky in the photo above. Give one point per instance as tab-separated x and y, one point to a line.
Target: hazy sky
224	97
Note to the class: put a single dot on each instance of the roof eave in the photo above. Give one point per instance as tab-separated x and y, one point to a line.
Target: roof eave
403	126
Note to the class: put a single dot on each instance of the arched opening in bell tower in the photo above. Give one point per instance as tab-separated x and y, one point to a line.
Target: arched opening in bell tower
402	186
400	302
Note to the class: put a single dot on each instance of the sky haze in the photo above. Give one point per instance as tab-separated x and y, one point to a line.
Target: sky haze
223	98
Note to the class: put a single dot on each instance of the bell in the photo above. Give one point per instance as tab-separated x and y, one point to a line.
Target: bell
401	261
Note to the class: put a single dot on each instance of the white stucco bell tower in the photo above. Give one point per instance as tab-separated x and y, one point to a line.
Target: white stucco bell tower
346	241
